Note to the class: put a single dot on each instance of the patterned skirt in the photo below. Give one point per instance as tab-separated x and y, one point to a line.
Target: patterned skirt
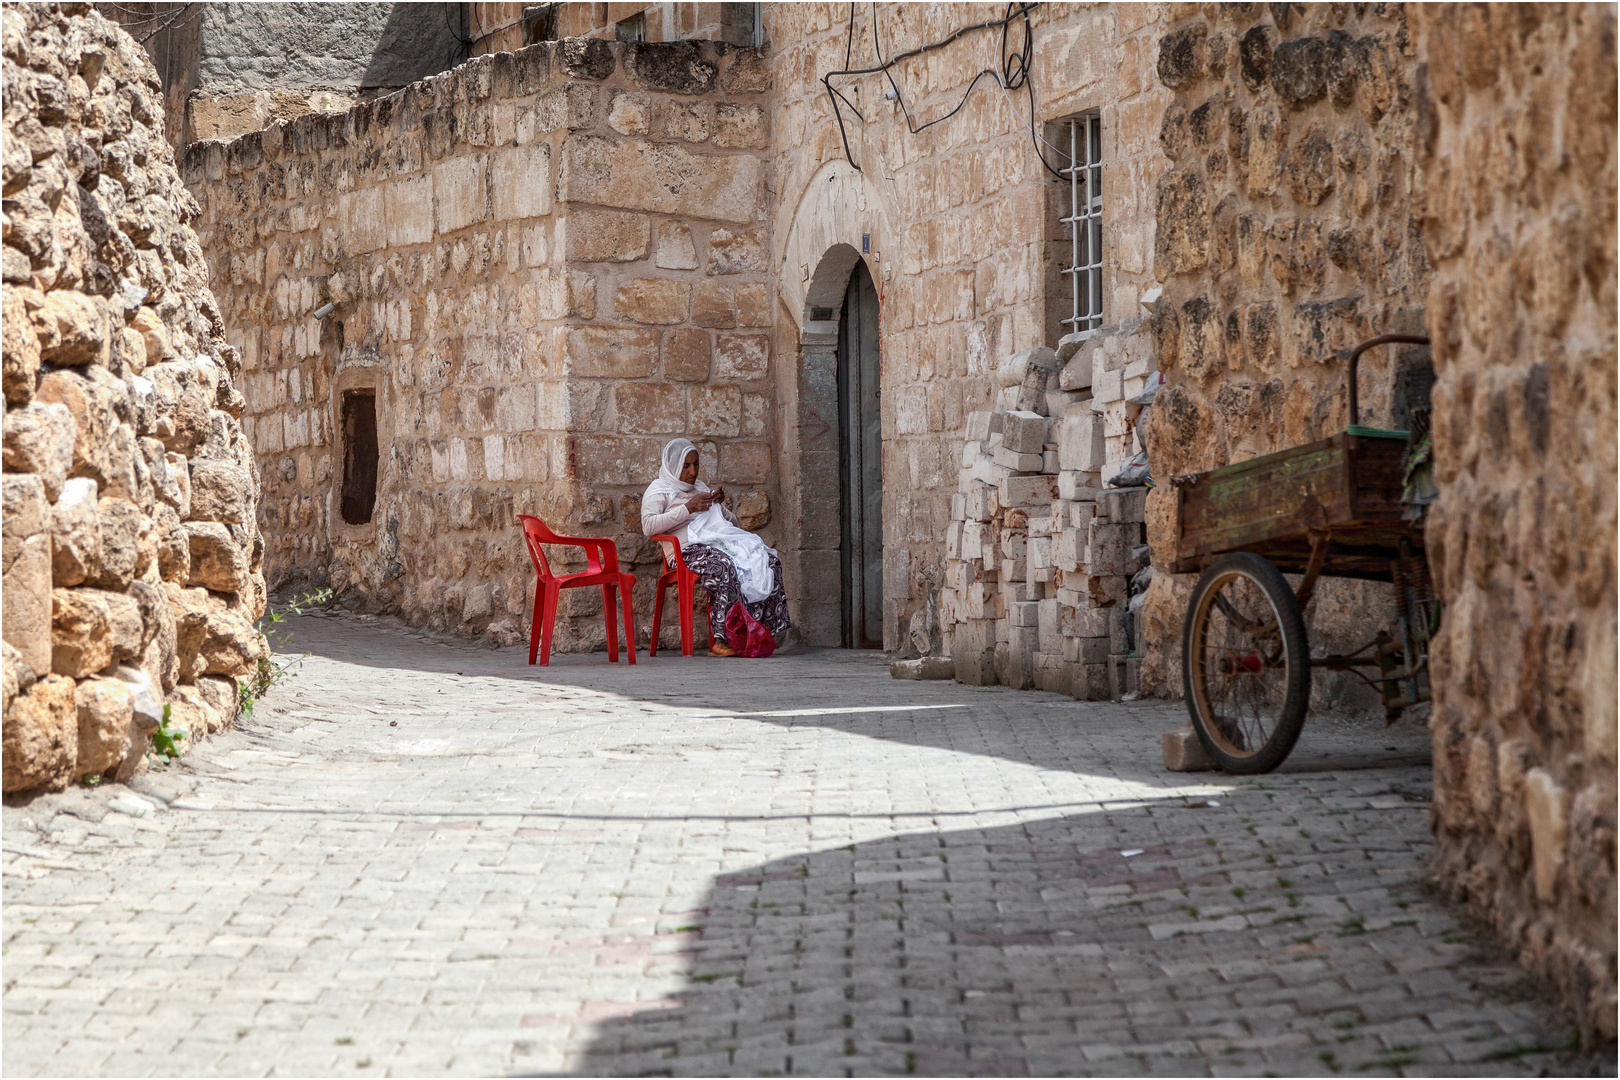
718	575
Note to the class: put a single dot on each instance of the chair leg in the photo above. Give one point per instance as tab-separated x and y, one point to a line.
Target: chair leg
536	619
548	621
626	586
658	616
609	602
684	591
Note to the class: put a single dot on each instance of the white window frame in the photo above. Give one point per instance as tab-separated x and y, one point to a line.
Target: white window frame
1084	221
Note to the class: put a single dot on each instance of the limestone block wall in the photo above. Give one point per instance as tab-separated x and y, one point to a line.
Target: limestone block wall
539	267
1516	133
1286	231
958	227
132	561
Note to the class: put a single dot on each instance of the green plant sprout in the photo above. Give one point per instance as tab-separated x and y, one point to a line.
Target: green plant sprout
277	639
166	740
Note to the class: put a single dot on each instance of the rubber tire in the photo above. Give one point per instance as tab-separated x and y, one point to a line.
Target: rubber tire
1297	692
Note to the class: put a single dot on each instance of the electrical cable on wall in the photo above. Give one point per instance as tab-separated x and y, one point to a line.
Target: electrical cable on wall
1014	74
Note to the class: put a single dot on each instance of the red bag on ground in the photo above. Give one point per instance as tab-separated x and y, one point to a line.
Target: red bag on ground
746	634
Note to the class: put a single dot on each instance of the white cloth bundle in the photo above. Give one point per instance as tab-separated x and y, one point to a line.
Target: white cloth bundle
746	551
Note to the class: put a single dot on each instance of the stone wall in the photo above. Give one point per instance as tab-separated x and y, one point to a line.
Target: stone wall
957	225
541	265
131	555
1287	231
1516	132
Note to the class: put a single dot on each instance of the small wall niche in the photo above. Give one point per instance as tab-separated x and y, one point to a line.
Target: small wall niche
359	496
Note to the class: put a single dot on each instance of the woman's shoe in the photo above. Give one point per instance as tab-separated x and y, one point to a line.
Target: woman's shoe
717	649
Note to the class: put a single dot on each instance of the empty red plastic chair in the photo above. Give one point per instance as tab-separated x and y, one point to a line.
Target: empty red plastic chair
601	568
685	581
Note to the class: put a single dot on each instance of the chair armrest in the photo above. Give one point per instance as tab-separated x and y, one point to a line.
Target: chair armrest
597	548
666	538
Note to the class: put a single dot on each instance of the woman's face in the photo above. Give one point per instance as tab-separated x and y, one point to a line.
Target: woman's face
689	468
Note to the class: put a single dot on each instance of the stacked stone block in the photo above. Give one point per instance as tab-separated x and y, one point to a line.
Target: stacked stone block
1516	135
131	555
543	265
1039	555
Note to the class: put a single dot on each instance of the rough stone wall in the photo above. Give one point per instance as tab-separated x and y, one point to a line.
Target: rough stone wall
960	221
543	265
131	554
1286	231
1517	137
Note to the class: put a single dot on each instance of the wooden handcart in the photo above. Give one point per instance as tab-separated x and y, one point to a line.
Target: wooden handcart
1332	508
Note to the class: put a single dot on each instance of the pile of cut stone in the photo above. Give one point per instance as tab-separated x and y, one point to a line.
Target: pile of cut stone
132	553
1041	556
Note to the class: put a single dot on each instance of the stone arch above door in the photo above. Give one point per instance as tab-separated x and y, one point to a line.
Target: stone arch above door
839	209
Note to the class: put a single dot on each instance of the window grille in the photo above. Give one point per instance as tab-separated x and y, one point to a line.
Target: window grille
1084	221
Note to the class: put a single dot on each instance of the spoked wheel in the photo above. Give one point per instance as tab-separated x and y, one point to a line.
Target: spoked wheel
1246	664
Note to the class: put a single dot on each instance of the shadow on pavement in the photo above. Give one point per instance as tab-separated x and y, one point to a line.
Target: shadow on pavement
1043	949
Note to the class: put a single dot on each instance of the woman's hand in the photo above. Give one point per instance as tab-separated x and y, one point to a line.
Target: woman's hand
700	501
719	493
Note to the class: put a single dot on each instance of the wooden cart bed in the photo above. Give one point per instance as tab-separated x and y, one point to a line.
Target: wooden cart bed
1348	485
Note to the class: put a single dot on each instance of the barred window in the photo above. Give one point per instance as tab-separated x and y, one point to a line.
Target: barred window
1080	138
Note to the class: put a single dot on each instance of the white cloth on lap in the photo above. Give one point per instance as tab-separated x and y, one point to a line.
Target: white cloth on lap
745	550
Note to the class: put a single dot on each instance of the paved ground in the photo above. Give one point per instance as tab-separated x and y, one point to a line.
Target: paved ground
420	857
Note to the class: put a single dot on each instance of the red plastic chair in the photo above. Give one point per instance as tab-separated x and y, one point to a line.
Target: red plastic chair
601	568
684	579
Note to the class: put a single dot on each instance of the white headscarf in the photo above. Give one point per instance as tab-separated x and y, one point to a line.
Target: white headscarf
669	480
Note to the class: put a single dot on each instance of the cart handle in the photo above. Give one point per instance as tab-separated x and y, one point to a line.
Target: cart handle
1370	343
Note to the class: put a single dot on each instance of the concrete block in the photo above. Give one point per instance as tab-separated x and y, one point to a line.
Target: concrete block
1013	569
1021	649
1107	546
1124	504
1039	552
1077	486
973	652
1184	753
1024	432
959	506
978	426
1026	613
1107	387
983	501
1028	490
1051	625
1016	462
970	453
926	667
973	534
1091	683
1052	674
1059	402
1091	622
1080	442
1013	370
986	471
1119	630
953	540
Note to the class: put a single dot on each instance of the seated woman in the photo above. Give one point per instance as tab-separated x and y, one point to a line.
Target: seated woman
669	505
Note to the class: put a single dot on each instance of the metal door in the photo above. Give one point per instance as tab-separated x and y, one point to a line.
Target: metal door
860	443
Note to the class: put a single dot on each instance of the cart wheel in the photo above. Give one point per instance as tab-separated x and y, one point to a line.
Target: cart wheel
1246	664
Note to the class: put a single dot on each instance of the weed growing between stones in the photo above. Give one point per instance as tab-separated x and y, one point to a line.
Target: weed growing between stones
166	740
267	672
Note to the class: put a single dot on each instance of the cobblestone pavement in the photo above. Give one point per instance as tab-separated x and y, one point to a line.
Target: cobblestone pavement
422	857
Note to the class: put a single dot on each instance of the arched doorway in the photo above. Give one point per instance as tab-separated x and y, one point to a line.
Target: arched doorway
860	451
